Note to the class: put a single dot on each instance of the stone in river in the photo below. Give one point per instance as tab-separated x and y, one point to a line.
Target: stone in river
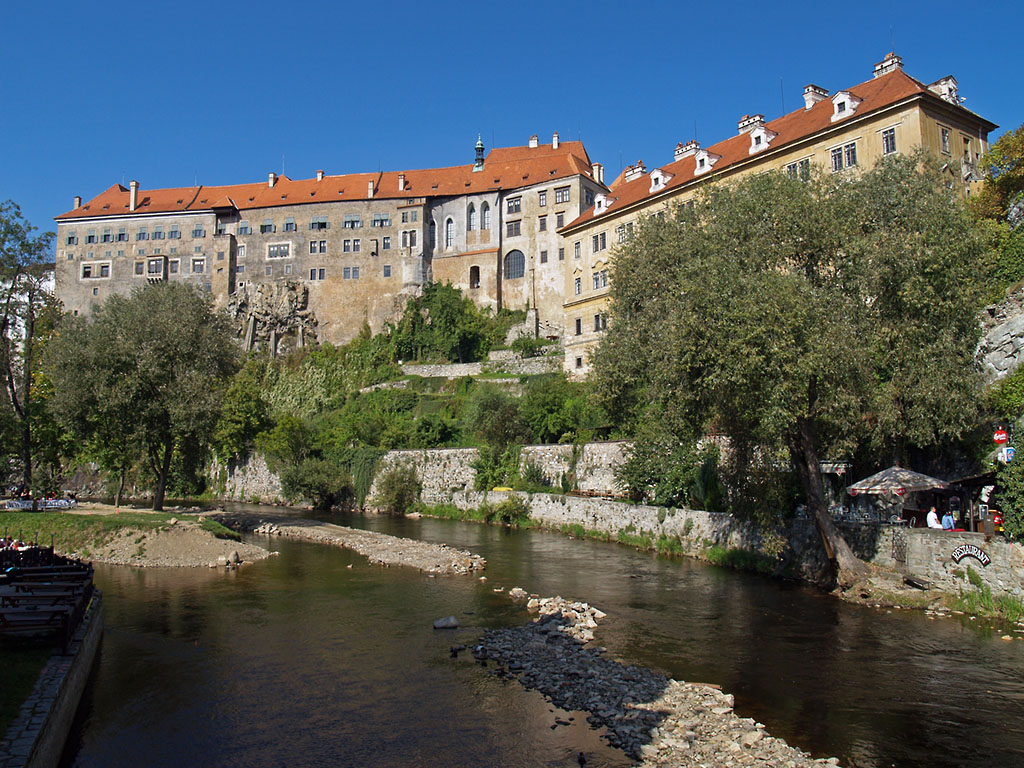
448	622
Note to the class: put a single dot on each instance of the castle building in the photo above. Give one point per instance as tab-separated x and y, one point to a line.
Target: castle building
297	260
841	132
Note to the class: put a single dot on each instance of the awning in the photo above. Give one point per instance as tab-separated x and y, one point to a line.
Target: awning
897	480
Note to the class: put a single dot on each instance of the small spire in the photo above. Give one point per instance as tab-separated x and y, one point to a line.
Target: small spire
478	164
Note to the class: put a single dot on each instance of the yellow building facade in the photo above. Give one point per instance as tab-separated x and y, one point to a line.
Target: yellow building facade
841	132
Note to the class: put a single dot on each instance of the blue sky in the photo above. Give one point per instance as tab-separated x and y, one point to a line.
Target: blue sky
224	92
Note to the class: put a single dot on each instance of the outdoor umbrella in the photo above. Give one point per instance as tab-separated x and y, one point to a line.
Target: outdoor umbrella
898	481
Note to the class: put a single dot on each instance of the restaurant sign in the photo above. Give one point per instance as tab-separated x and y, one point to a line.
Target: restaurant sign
970	550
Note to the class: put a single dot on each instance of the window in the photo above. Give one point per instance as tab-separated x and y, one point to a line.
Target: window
140	267
515	205
433	234
790	171
513	228
158	232
850	150
945	139
352	221
600	322
381	220
597	280
405	217
318	246
142	234
449	233
387	270
474	277
267	227
579	326
279	251
562	195
198	266
579	362
588	195
95	291
71	256
576	247
542	198
289	224
888	141
241	251
599	242
198	249
804	171
355	273
578	286
543	257
319	222
107	236
198	231
71	239
485	216
172	266
346	273
93	271
542	223
470	218
91	236
561	254
346	246
560	219
155	267
386	244
515	265
414	216
270	270
122	235
240	268
172	234
837	159
317	273
287	269
355	245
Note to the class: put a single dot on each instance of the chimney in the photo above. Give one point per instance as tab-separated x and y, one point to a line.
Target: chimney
369	189
813	94
319	175
78	201
133	199
946	88
271	179
888	64
533	141
597	171
687	149
635	171
554	140
401	182
749	122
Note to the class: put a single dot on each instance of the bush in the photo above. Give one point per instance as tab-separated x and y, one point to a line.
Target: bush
324	484
398	490
512	511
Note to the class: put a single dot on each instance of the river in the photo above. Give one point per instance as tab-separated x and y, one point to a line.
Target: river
301	660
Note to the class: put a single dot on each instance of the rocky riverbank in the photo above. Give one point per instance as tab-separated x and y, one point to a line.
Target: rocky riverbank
378	548
654	719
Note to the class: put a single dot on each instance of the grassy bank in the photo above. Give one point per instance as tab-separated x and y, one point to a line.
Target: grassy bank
83	533
22	664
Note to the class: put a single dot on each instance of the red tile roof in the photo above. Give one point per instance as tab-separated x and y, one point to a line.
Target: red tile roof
504	168
875	94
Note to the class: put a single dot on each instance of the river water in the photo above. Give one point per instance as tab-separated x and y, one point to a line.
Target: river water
302	660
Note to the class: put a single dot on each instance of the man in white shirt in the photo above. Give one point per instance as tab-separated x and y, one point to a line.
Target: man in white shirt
933	519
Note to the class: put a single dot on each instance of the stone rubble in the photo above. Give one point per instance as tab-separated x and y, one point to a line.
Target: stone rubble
378	548
653	719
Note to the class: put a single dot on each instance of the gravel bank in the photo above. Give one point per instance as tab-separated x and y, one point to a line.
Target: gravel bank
378	548
654	719
182	544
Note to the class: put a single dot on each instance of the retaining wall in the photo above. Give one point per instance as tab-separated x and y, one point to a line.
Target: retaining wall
36	737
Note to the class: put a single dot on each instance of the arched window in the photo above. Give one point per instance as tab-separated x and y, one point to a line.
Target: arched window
433	234
471	218
474	277
449	233
515	265
485	216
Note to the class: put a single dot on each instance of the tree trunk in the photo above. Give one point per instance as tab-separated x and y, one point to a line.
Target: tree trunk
120	489
849	568
26	392
161	482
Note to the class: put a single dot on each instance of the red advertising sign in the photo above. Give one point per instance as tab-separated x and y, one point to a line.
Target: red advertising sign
1000	436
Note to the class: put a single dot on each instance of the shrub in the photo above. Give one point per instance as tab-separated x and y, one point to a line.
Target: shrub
398	490
514	511
321	482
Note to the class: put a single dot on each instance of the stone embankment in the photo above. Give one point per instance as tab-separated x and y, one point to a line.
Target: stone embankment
654	719
378	548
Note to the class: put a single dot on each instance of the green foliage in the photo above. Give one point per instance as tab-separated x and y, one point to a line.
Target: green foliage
1006	399
145	376
980	602
740	559
495	417
399	489
244	412
323	483
556	410
287	443
662	470
441	325
496	467
1003	167
1010	481
529	346
513	511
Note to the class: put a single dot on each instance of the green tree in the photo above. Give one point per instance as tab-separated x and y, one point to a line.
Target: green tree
144	376
27	310
245	413
1003	167
801	320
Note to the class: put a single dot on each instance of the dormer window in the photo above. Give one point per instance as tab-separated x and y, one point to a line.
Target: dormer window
844	104
600	203
705	162
658	179
760	139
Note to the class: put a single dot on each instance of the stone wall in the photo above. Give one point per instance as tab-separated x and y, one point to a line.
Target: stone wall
518	366
441	471
930	555
250	480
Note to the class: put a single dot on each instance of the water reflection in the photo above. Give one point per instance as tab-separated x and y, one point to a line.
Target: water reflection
300	660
